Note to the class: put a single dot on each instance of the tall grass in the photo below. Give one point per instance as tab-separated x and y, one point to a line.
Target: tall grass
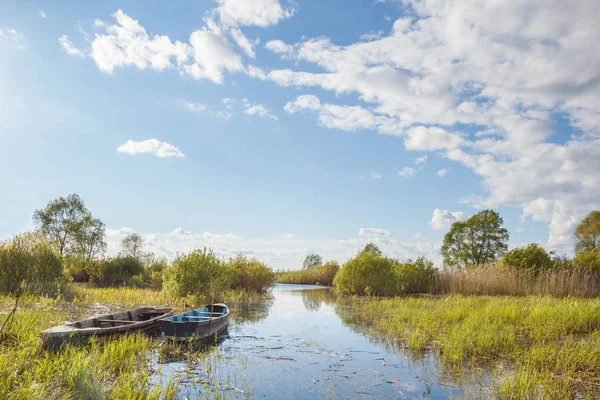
537	347
321	275
499	281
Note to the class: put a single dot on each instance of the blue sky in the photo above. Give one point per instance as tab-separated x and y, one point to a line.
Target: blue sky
279	128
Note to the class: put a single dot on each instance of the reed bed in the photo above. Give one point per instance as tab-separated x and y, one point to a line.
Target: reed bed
537	347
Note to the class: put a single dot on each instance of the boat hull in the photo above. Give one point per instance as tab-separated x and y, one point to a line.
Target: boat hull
120	323
197	325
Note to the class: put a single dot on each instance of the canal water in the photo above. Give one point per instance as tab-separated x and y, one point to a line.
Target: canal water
299	347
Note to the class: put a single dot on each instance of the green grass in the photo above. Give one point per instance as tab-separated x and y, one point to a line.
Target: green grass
104	369
536	347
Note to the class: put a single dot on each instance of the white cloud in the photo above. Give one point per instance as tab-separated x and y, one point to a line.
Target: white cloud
249	108
371	36
418	235
98	23
442	172
259	110
150	146
374	175
279	47
68	46
285	251
119	232
407	172
14	36
42	14
421	160
374	232
243	42
519	230
450	65
195	107
443	218
257	12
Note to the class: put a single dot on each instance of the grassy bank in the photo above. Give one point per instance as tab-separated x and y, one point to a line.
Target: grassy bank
320	275
118	368
537	347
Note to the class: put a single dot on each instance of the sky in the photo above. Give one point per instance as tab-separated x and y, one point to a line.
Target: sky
277	128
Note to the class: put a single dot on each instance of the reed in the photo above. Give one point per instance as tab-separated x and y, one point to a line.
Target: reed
536	346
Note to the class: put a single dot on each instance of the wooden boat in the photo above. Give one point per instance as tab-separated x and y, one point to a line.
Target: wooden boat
139	319
201	324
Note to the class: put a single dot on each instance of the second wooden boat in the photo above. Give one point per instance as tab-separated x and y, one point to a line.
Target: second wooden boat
201	324
139	319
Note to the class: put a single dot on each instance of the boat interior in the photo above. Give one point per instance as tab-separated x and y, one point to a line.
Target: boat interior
200	314
128	317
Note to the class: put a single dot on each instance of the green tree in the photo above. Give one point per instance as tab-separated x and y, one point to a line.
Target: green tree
249	274
371	248
367	273
71	228
587	233
479	240
312	261
132	245
532	258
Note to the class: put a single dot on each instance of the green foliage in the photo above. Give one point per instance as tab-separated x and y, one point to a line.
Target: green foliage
480	240
249	274
415	276
155	272
132	245
197	273
29	264
372	248
532	259
587	233
77	269
321	275
367	273
117	271
588	260
312	261
70	227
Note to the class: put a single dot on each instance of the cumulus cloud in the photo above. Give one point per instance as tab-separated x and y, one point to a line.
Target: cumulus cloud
257	12
68	46
119	232
443	218
279	47
194	107
249	108
150	146
42	14
421	160
14	36
243	42
374	175
374	232
450	65
442	172
407	172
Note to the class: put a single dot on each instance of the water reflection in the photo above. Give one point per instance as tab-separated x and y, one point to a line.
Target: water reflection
298	347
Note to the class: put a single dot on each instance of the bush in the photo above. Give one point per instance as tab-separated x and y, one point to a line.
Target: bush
77	269
321	275
155	273
588	261
249	274
117	271
199	273
28	264
415	276
532	259
368	273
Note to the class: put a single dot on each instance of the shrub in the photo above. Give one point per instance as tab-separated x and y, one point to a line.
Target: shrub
532	259
77	269
155	273
368	273
588	261
198	273
249	274
321	275
117	271
29	264
415	276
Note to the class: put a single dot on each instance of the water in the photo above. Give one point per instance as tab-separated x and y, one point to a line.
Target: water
298	347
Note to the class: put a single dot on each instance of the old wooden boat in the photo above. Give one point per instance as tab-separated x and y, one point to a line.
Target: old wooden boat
201	324
139	319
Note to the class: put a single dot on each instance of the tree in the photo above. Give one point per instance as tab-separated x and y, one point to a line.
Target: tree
372	249
61	220
90	239
587	233
479	240
312	261
132	246
532	258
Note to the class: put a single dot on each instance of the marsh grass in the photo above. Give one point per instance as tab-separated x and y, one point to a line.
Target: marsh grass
120	368
536	347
